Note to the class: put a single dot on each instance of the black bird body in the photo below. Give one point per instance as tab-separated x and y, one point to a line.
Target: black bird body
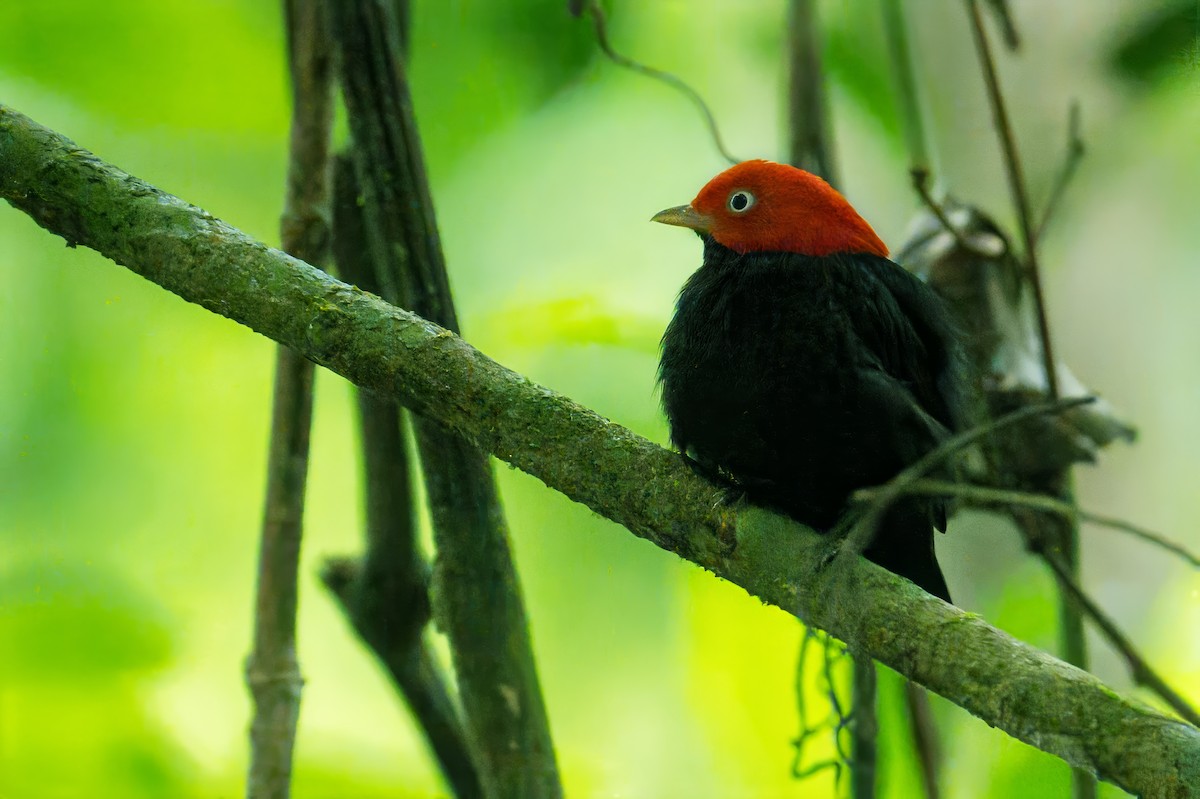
802	378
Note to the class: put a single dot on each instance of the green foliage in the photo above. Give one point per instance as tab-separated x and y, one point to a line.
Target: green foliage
574	322
64	621
478	65
1163	44
178	55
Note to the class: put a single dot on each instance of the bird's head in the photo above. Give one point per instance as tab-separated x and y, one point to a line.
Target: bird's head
762	206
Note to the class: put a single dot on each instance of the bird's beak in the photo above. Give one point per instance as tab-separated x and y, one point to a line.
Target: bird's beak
684	216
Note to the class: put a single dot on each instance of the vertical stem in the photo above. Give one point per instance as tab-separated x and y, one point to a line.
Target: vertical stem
810	147
808	117
386	594
1071	633
926	741
896	33
864	742
1016	185
272	671
1070	618
476	595
925	737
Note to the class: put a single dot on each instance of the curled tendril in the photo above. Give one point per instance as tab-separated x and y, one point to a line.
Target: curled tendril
600	24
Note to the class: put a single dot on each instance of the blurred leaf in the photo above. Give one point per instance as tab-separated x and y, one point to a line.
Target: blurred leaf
543	39
854	57
478	65
1024	771
66	621
1165	41
150	766
575	321
212	65
324	776
114	747
897	756
1022	609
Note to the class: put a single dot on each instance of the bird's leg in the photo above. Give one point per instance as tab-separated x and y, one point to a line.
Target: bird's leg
732	492
838	538
842	534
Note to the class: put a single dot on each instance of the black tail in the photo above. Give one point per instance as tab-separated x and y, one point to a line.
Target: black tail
904	545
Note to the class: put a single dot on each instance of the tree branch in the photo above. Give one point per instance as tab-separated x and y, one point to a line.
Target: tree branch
1075	151
1019	504
272	671
1071	634
985	496
1010	685
809	140
1016	185
386	594
476	594
413	668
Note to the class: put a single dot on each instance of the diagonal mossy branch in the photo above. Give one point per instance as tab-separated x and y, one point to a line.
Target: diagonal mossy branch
1010	685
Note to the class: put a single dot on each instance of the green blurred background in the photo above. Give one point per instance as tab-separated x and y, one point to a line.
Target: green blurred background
133	426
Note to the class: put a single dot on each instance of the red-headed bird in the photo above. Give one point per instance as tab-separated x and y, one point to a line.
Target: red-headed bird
802	364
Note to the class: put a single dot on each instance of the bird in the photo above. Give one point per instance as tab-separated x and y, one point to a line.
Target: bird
801	363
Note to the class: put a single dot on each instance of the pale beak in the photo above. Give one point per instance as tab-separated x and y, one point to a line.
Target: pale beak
684	216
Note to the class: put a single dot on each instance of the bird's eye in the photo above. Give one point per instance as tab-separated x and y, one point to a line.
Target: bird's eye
740	201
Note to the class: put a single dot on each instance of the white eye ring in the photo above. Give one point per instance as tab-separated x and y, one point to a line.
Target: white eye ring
740	201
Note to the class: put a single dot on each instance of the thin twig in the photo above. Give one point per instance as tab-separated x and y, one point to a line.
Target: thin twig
600	24
1071	632
988	497
865	729
911	118
1016	185
865	526
920	182
1008	26
1075	152
925	737
1143	673
800	770
1149	536
272	670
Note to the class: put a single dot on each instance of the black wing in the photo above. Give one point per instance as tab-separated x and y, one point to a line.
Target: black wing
910	330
